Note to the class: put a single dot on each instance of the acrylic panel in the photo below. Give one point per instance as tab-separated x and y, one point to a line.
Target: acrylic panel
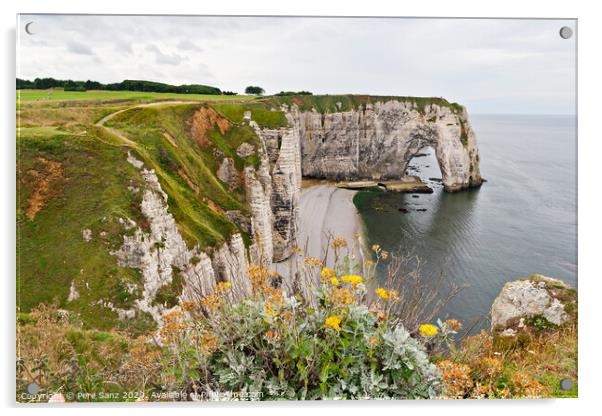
295	208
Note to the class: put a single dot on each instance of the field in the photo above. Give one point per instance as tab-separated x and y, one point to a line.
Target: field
60	95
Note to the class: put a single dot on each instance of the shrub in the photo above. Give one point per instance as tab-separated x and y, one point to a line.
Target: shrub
273	346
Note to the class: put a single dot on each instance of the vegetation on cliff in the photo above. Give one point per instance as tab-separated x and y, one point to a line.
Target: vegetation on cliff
346	338
73	177
348	102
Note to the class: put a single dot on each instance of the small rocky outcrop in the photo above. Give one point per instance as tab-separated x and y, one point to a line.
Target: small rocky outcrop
245	150
227	172
535	297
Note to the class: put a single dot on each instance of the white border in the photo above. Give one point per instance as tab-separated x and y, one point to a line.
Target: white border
590	112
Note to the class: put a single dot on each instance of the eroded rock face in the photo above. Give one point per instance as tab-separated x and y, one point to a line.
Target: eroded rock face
258	188
536	296
377	142
227	172
157	252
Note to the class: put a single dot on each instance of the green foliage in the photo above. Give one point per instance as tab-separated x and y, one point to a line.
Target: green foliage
274	347
288	93
539	322
186	170
127	85
261	113
168	295
254	90
59	356
348	102
90	191
57	95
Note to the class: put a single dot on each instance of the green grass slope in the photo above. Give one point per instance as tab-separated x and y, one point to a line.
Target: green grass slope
58	94
73	175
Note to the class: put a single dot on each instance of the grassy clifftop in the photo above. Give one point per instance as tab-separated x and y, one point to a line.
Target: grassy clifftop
347	102
73	176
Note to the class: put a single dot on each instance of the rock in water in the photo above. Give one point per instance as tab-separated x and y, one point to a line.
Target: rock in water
536	296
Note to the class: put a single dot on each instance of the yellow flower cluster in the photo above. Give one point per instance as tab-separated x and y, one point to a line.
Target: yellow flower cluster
453	324
353	279
274	301
260	277
222	287
172	326
526	386
312	261
333	322
382	293
326	274
491	366
428	330
372	341
143	356
391	295
340	296
208	343
338	242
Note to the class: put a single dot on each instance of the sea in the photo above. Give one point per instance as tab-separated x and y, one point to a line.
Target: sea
522	221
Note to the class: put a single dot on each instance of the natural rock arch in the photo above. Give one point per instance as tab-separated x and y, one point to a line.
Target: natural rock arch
378	141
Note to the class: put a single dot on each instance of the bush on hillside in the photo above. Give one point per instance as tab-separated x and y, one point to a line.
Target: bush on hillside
274	347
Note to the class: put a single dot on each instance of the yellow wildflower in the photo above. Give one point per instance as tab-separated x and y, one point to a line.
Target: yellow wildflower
188	306
453	324
208	343
368	263
353	279
339	242
333	322
312	261
326	273
376	248
382	293
372	341
340	296
334	281
428	330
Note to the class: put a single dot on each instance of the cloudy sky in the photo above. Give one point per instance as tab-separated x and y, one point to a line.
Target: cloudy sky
491	66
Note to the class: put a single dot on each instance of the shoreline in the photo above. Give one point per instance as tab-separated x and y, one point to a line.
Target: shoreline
325	210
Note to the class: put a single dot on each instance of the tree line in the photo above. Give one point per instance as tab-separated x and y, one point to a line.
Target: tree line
126	85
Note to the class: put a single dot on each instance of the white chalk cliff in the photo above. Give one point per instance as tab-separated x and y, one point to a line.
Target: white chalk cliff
372	142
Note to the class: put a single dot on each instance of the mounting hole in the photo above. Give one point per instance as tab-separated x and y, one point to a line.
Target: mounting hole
566	384
566	32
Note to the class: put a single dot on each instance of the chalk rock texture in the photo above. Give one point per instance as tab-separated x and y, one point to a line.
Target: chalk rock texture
161	249
227	172
377	142
537	296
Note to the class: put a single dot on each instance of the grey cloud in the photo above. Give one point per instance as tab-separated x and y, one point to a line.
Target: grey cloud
487	64
79	48
187	45
167	59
